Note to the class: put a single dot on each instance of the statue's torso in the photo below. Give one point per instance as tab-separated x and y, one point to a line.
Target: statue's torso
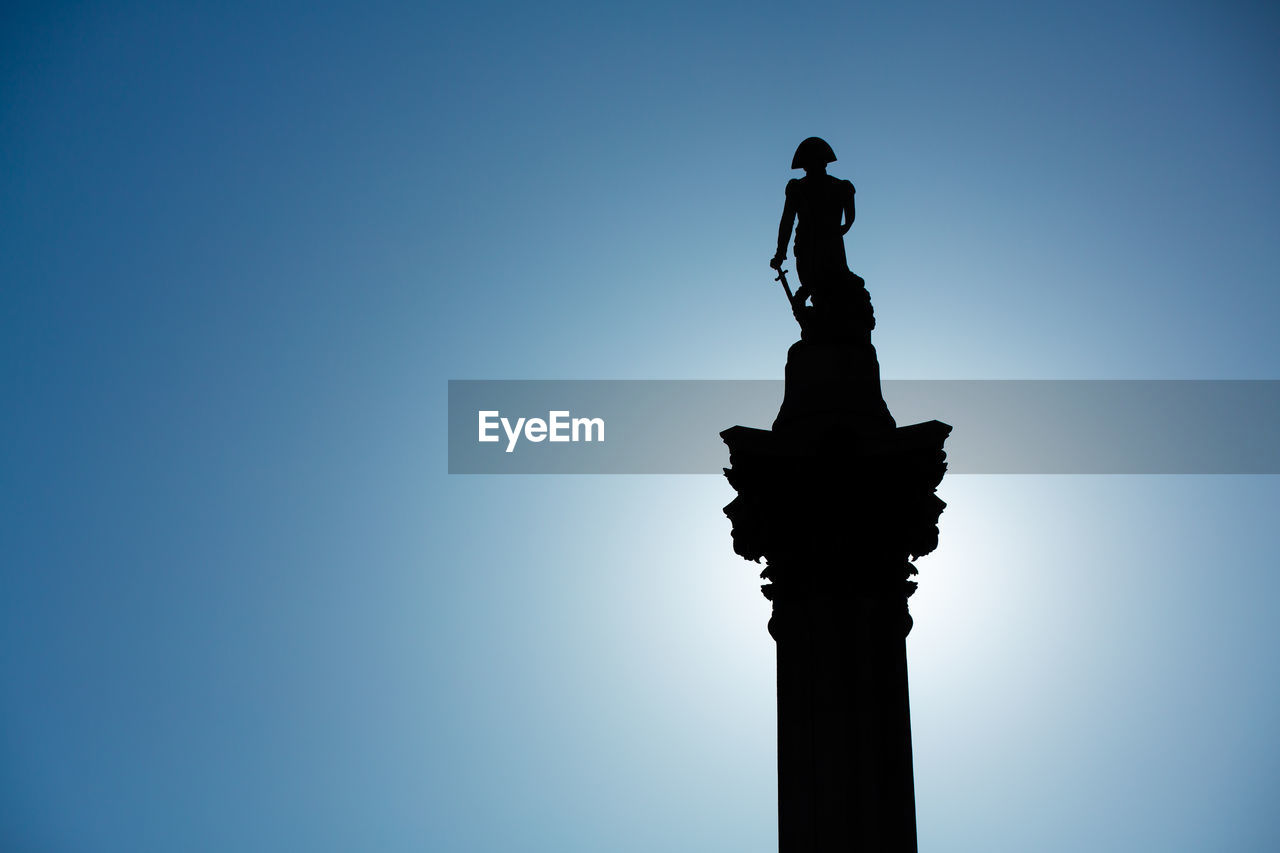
820	201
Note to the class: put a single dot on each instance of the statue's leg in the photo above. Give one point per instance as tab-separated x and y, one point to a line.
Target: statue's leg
804	272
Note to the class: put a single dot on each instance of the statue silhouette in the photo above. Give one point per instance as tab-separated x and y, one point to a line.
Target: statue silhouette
839	500
824	205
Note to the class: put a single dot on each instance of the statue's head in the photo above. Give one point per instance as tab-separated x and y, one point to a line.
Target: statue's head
813	153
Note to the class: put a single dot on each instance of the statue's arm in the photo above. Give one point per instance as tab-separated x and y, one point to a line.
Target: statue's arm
848	209
784	228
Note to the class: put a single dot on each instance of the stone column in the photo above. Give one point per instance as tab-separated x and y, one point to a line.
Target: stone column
838	500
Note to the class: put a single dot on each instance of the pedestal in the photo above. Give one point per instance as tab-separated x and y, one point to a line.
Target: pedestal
838	501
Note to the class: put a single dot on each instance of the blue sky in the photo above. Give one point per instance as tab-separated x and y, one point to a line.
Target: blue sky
243	606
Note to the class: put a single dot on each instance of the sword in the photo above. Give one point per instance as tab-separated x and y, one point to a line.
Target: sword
791	299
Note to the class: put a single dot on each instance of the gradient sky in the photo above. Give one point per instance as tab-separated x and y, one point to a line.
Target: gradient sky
243	247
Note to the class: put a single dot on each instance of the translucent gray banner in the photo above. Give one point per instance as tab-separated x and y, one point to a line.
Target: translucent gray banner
1001	426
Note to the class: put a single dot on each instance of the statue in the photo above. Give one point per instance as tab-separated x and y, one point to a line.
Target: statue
824	206
839	500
